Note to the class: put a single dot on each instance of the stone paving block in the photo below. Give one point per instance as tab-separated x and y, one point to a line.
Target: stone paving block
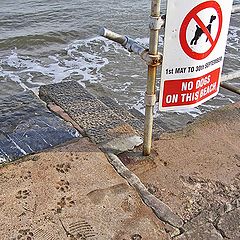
100	123
27	126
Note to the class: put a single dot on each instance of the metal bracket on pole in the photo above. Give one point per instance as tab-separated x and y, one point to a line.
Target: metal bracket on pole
150	100
132	46
125	41
151	60
155	23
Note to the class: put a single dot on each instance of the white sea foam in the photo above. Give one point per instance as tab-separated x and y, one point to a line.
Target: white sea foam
2	159
84	59
14	77
233	40
84	63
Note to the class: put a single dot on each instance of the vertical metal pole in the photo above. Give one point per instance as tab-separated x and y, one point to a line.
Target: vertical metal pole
151	81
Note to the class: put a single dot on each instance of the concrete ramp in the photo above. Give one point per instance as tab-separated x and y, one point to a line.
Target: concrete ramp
103	121
27	126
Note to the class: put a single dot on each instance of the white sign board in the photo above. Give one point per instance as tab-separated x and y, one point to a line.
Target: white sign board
194	45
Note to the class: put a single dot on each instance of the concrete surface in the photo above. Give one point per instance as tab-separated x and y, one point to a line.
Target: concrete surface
27	126
72	192
196	171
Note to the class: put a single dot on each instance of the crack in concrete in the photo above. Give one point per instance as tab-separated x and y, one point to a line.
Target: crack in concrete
162	211
219	230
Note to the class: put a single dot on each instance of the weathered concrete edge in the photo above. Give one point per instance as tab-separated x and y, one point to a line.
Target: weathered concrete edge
162	211
121	144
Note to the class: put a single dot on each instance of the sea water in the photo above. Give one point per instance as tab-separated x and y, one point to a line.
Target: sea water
46	41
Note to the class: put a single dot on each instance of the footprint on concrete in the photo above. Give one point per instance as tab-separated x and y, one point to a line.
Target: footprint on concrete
63	186
63	167
65	202
80	230
23	194
24	234
98	195
42	234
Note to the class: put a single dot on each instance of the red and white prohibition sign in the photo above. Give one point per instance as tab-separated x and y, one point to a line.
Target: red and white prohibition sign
194	48
192	15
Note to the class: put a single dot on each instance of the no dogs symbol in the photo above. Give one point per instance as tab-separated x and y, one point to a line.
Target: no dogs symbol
201	29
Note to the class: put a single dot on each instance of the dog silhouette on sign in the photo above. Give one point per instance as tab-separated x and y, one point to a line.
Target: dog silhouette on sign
199	31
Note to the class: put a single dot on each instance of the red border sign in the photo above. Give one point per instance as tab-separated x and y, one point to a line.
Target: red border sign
193	15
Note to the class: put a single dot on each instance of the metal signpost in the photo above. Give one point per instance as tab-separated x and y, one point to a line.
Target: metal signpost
150	97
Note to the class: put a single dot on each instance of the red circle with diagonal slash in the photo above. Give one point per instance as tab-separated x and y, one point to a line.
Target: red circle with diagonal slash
193	15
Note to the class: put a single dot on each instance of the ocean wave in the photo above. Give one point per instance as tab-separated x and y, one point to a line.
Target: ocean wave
233	38
78	62
37	40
